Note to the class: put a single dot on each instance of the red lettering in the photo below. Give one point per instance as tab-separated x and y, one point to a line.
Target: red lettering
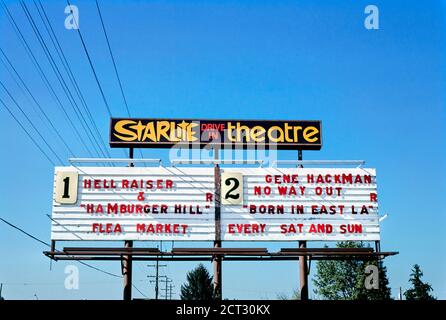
112	208
87	183
257	191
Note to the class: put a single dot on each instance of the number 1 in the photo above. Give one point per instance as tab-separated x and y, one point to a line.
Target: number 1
66	186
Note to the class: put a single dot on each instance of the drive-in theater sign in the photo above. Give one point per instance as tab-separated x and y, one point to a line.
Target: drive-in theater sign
161	133
216	204
168	203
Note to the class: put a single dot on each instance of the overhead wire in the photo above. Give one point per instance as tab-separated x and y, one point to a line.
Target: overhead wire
26	88
91	137
113	59
43	76
58	48
48	245
90	62
30	122
27	133
54	95
79	261
115	67
91	65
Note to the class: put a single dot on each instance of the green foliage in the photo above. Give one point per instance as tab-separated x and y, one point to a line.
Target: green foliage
199	285
382	293
419	290
345	279
294	296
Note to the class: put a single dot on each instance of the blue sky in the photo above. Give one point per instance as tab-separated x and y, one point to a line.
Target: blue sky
379	93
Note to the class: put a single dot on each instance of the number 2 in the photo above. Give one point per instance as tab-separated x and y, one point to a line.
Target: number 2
231	188
234	187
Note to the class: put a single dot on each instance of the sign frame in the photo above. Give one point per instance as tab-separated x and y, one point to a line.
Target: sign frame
114	142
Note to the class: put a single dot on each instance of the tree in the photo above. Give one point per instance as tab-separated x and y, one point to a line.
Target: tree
382	293
294	296
199	285
336	279
419	290
345	279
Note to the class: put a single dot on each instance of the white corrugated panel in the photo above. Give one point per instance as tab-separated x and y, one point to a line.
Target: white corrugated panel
276	218
188	191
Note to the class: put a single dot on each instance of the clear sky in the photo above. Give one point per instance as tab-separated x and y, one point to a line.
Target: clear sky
379	93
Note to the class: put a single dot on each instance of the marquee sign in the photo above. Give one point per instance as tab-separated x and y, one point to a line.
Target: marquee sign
302	204
115	203
163	133
167	203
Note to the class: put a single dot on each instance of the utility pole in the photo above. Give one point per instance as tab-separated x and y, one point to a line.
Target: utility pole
216	260
167	280
127	259
156	276
1	289
170	291
303	269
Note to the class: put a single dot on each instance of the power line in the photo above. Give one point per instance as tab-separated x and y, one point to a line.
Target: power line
42	74
27	133
171	293
156	276
61	80
115	67
113	59
24	232
22	90
139	291
91	65
58	283
79	261
48	245
66	65
30	122
33	98
167	281
97	269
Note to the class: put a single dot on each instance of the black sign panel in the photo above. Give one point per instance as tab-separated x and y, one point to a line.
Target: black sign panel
164	133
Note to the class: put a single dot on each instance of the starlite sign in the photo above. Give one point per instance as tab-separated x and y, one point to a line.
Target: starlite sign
256	204
163	133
